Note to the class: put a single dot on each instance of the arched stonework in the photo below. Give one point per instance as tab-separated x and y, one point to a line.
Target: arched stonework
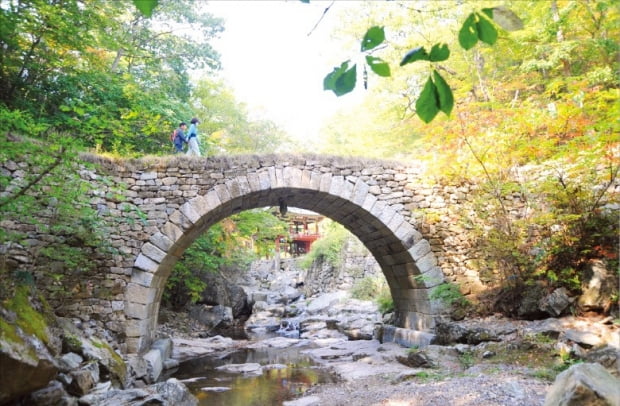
405	257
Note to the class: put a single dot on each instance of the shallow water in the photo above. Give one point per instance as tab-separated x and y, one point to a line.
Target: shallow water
296	375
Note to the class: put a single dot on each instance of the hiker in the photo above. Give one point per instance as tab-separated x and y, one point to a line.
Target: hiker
192	138
179	138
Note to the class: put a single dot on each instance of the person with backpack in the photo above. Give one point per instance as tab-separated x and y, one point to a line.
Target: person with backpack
178	138
192	138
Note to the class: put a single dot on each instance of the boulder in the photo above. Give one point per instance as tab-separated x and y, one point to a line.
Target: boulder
597	288
52	394
447	333
84	379
607	356
169	393
26	363
584	384
556	303
221	292
323	302
212	316
250	369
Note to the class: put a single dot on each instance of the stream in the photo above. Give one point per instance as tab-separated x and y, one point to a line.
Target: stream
286	374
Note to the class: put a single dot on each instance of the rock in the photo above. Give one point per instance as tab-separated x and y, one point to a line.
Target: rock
305	401
69	361
216	389
598	288
224	293
53	394
584	384
169	393
183	349
584	338
155	365
212	316
607	356
488	354
556	303
84	379
529	307
448	333
416	359
251	369
26	363
324	301
164	346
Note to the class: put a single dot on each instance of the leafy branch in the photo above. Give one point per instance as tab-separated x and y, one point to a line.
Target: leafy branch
436	94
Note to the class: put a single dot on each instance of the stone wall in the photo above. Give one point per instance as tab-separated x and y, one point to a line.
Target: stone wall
356	264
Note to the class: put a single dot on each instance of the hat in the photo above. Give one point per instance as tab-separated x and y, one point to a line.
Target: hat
194	120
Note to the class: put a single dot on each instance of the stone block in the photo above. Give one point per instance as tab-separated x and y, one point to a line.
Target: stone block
137	327
406	337
194	209
161	241
155	365
139	294
164	346
153	252
359	192
142	278
420	249
221	192
139	310
172	231
146	264
426	263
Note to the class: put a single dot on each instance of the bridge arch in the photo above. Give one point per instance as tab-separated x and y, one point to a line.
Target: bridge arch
405	258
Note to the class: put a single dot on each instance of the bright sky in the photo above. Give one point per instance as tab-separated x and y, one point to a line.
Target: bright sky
274	66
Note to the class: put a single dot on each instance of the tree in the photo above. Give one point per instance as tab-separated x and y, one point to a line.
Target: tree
226	125
94	69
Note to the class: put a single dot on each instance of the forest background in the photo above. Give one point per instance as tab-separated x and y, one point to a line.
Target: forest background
100	76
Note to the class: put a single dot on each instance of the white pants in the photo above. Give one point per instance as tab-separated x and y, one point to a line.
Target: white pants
192	147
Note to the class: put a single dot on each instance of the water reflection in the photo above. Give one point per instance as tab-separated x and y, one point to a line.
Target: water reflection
286	374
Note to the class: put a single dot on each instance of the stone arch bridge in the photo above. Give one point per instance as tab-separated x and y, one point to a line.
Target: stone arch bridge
178	198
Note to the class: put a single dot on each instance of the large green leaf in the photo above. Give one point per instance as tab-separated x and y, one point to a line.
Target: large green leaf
468	34
373	37
416	54
439	52
341	80
504	17
486	31
427	105
146	7
378	65
446	99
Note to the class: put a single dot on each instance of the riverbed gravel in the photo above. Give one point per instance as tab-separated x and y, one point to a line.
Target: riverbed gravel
501	386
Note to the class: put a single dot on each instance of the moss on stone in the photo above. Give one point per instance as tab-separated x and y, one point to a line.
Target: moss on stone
28	319
118	367
8	333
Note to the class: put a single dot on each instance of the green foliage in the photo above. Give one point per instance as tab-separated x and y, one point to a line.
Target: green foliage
51	197
98	75
146	7
436	94
28	318
327	249
375	289
384	300
233	242
449	294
